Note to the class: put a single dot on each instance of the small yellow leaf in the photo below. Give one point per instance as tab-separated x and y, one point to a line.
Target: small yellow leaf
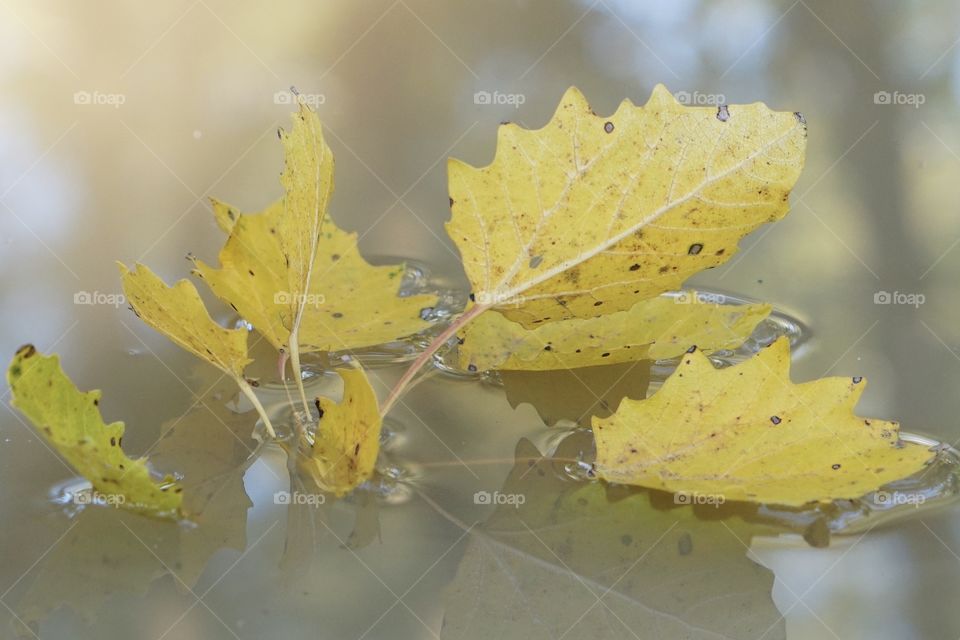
590	214
347	442
351	304
748	433
178	313
70	421
655	329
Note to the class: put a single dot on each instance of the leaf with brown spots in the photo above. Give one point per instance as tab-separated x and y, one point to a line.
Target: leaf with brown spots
748	433
591	214
70	421
654	329
351	304
347	442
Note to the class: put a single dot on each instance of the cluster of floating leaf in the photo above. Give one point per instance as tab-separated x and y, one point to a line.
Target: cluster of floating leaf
571	239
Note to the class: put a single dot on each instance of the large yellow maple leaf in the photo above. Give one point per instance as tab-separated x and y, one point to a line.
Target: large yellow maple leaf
590	214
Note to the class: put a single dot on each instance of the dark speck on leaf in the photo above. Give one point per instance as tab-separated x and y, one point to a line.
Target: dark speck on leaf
608	127
695	249
425	313
337	314
799	117
723	113
604	355
857	379
250	271
692	349
473	297
634	267
835	467
472	368
775	419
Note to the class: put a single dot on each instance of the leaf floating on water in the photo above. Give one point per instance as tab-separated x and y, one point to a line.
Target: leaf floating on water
291	269
70	421
588	215
537	569
351	304
347	441
748	433
654	329
178	313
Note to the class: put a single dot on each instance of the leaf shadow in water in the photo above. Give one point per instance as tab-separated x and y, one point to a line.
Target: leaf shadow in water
561	557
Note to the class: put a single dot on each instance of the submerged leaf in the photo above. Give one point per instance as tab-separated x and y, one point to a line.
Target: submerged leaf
347	441
654	329
577	394
748	433
350	303
565	559
590	214
70	421
178	313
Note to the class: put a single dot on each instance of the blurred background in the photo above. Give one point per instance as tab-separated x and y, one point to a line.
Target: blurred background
119	119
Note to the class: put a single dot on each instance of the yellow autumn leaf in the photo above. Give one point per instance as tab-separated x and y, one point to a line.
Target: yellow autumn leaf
351	304
748	433
178	313
70	421
347	440
655	329
590	214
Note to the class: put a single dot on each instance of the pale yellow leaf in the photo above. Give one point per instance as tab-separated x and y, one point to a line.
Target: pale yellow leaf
658	328
178	313
347	441
748	433
351	304
590	214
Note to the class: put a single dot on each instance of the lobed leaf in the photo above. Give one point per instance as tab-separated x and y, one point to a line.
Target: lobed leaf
748	433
